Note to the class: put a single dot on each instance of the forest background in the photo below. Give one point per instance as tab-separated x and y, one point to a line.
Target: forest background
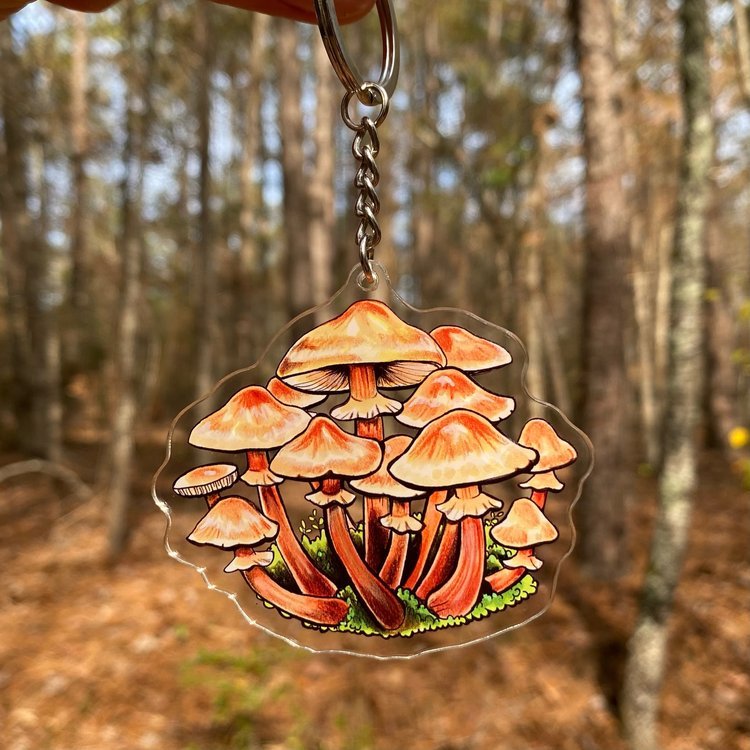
175	184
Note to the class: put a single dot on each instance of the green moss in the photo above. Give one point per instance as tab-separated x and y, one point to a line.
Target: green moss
418	618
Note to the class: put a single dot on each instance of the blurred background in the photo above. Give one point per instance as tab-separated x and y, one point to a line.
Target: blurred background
175	184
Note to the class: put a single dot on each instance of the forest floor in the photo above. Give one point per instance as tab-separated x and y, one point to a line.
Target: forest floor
142	655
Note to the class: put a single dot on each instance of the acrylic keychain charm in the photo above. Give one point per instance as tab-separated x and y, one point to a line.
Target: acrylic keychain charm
384	485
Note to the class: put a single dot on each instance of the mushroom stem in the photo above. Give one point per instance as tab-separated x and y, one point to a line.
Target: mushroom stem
431	520
503	579
393	567
443	562
376	596
539	497
322	610
212	499
362	387
460	592
309	579
375	534
362	384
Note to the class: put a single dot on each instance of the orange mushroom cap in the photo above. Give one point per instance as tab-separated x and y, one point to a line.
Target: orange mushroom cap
292	396
251	420
524	526
233	522
367	333
460	448
554	452
246	558
203	480
469	352
447	389
325	450
382	482
547	481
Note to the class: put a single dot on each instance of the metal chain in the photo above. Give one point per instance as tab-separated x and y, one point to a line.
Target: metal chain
365	148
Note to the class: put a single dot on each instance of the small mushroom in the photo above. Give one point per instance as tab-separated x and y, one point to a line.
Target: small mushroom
461	450
366	348
254	422
440	392
235	524
469	352
448	389
325	453
206	481
554	453
522	529
382	484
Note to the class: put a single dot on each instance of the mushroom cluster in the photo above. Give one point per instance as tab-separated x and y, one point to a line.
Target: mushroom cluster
429	532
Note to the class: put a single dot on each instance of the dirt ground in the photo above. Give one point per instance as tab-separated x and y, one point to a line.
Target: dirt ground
142	655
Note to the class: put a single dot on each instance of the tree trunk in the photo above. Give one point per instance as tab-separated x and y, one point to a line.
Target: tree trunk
79	252
606	399
291	131
131	250
17	237
720	385
646	660
742	35
321	200
250	300
206	300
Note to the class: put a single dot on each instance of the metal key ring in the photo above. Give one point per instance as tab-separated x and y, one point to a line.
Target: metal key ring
346	69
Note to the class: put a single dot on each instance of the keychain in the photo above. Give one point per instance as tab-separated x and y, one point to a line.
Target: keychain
384	485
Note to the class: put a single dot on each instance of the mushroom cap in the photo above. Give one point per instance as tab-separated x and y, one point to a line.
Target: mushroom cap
323	450
246	558
323	499
251	420
292	396
233	522
382	482
469	352
547	481
460	448
203	480
447	389
554	452
401	524
524	526
367	333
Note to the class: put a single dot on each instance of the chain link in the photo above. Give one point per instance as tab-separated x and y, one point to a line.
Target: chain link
365	148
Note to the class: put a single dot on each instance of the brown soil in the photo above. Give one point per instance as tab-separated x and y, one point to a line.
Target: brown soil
143	656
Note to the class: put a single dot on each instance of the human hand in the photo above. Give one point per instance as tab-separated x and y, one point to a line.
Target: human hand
348	11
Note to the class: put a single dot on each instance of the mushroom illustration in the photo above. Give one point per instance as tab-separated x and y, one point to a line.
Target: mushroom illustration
235	524
324	452
469	352
382	484
522	529
206	481
440	392
293	396
462	450
554	453
254	422
365	348
447	389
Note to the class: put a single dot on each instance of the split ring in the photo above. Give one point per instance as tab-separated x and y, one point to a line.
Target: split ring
346	69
